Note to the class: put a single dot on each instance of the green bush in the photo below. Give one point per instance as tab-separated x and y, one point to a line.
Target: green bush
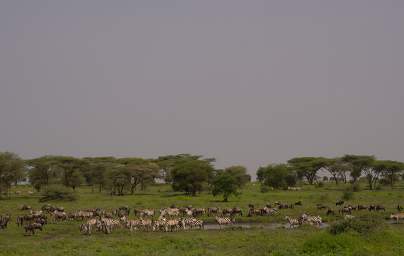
265	189
363	225
347	195
58	192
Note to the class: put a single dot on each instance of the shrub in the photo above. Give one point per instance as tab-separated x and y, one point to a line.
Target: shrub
347	195
57	192
265	189
363	225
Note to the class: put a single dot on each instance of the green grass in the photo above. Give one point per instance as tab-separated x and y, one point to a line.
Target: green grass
65	239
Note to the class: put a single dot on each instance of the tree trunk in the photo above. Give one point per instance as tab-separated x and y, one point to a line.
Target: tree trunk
336	179
370	182
391	179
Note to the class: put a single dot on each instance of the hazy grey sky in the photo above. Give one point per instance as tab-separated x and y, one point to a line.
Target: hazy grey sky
248	82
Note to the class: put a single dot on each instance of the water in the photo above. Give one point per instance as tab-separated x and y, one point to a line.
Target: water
250	225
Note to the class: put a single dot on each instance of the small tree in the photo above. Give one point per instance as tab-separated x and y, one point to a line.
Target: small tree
12	169
225	184
277	176
240	174
190	175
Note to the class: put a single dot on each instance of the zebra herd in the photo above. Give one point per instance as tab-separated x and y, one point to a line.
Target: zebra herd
170	219
304	219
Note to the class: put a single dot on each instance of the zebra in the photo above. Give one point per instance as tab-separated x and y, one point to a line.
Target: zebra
4	221
191	223
107	224
159	224
223	221
32	227
312	220
172	225
292	222
169	212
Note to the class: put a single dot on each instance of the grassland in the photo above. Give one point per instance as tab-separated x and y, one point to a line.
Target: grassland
65	239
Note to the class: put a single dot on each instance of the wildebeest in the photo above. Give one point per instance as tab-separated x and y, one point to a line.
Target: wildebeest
232	211
284	206
361	207
213	211
30	228
346	209
339	203
330	212
376	208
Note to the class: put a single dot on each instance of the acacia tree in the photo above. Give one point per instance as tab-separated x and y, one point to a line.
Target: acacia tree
240	174
141	174
308	167
118	180
71	170
363	164
338	169
190	175
277	176
12	169
96	174
226	184
168	163
42	173
388	169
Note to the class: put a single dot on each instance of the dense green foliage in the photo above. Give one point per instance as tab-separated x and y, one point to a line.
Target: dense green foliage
11	170
277	176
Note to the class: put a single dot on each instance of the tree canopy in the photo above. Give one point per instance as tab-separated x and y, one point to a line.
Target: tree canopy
12	169
191	175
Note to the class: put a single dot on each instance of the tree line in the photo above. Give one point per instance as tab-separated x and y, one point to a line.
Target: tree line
187	173
340	169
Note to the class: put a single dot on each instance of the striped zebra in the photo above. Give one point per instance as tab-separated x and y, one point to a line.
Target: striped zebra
172	225
223	221
159	225
108	224
191	223
293	222
312	220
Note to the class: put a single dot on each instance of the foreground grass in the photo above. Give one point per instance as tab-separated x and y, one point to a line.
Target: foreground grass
65	239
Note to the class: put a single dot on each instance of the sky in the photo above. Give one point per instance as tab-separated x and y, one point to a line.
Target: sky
247	82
